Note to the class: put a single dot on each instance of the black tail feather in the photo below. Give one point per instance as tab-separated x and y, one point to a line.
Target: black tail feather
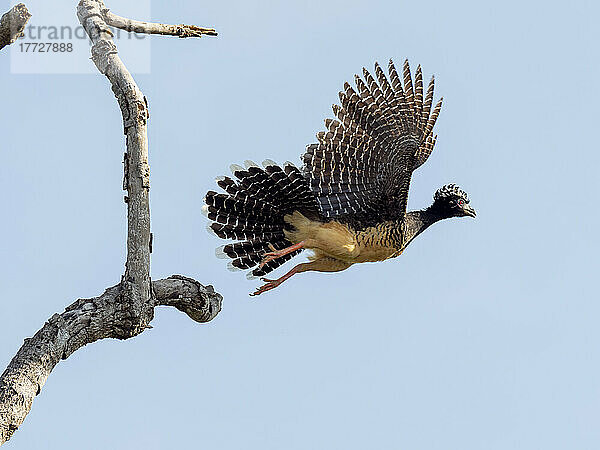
252	211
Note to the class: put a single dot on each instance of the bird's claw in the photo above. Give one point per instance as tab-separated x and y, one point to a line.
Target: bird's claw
270	284
267	257
270	256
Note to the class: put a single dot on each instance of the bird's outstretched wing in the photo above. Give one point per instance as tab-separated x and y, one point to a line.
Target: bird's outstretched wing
361	166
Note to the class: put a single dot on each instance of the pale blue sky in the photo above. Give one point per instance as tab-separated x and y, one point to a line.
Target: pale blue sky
482	335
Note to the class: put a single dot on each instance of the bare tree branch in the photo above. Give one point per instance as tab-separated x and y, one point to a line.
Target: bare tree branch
200	303
137	26
134	110
12	24
83	322
124	310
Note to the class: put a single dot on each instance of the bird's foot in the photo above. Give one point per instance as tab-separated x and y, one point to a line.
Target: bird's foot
270	256
270	284
274	254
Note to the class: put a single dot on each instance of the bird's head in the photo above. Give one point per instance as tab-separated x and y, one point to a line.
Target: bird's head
451	201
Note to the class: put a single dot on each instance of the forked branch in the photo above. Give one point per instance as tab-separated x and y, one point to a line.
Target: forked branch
124	310
83	322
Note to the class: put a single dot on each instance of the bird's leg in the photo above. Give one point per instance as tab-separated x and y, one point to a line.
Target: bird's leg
320	265
274	254
272	284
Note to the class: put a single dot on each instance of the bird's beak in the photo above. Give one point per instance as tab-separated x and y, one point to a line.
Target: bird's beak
469	211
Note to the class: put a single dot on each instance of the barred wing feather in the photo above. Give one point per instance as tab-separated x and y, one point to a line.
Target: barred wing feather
362	164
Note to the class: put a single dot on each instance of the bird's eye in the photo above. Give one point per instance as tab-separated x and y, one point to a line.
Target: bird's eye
461	202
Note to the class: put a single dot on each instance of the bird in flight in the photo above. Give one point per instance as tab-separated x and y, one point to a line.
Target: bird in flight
347	204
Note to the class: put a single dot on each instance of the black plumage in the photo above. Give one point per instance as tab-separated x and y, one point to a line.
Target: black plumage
253	211
361	166
348	203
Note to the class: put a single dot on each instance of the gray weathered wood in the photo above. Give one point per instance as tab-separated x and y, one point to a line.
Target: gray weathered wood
124	310
12	24
134	109
83	322
137	26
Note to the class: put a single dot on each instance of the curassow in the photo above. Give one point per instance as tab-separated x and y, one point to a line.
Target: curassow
348	202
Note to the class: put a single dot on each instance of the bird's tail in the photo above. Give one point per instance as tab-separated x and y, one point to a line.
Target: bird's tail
252	210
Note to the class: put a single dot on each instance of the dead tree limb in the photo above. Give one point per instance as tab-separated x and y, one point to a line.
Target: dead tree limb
12	24
125	310
83	322
137	26
134	109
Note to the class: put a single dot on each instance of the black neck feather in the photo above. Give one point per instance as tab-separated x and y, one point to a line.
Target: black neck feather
415	222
